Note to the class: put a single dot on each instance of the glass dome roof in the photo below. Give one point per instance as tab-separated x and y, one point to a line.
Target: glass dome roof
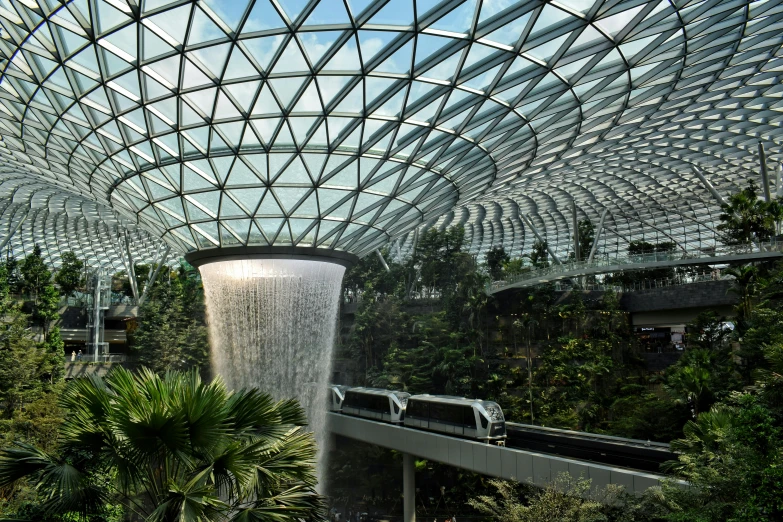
345	124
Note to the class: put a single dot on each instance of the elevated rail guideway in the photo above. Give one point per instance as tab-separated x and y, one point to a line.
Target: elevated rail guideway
529	456
719	256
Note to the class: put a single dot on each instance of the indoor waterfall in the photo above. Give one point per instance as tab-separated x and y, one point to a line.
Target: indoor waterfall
272	325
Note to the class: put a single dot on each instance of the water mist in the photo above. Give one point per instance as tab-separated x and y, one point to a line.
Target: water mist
272	326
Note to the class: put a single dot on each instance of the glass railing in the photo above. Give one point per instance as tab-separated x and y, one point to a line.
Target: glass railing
609	264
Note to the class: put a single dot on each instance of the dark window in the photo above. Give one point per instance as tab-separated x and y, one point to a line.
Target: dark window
484	421
417	409
396	408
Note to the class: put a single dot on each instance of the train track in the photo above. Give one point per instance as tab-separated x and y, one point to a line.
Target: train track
604	449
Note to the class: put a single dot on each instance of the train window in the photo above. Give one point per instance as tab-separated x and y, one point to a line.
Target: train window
437	412
417	409
484	421
396	408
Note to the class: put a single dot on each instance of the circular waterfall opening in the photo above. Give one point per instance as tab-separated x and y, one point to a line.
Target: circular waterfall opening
272	326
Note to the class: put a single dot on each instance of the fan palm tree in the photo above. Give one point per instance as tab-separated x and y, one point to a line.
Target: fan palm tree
745	286
173	449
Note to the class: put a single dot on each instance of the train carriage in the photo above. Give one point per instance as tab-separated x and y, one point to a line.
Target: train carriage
376	404
469	418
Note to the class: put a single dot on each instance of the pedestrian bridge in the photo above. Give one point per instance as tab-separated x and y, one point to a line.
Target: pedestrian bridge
721	256
487	459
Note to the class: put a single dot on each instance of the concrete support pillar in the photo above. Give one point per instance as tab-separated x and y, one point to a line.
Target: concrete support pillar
764	173
408	488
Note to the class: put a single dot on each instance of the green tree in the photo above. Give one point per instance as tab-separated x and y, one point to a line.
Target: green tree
746	286
48	308
732	455
172	332
35	274
745	218
70	276
539	254
706	372
172	448
496	258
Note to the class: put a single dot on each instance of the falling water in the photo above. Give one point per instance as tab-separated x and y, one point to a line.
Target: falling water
272	325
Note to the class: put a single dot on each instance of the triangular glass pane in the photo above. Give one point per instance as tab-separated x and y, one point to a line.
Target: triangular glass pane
292	8
248	198
315	163
331	85
269	206
287	88
428	46
243	93
263	49
291	60
616	23
372	42
213	57
203	29
193	77
459	20
270	227
107	17
290	196
549	18
328	12
266	103
510	33
262	17
393	107
266	128
483	80
445	70
346	59
396	12
399	62
239	66
242	175
154	46
580	6
230	12
353	103
545	51
317	43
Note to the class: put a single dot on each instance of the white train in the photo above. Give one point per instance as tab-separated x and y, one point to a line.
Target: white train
455	416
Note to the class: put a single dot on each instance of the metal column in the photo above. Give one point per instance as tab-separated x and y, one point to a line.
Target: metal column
131	270
764	173
408	488
538	236
154	277
383	261
575	224
709	186
15	229
97	320
597	235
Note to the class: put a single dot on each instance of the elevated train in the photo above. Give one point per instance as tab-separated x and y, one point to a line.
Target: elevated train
483	420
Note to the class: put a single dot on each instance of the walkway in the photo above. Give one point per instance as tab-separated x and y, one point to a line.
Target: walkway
722	256
494	461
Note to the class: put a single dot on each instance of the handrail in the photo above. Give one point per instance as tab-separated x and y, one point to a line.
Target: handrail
635	261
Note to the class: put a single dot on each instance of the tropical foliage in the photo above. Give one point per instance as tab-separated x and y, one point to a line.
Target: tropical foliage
171	448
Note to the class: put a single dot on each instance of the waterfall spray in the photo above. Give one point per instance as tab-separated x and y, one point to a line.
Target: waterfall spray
272	326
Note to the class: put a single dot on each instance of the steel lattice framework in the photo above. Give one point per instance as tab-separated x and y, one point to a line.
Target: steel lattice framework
345	124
